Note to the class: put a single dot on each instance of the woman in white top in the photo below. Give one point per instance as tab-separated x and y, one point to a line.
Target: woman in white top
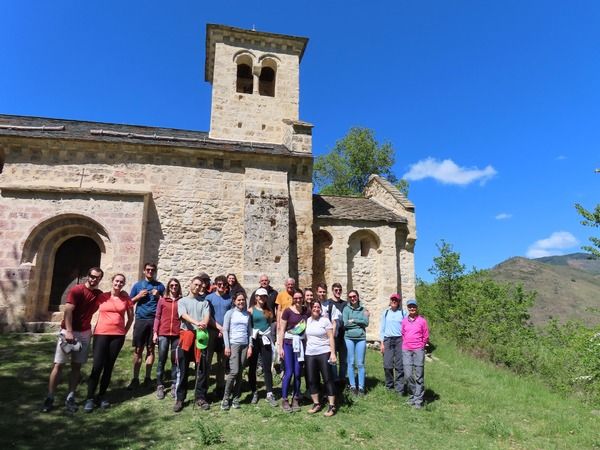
237	334
320	352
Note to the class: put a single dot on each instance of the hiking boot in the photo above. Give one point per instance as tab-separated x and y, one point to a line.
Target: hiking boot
178	406
235	404
225	405
254	400
271	400
160	392
330	411
202	404
295	404
135	383
147	382
48	405
418	406
71	405
89	405
353	391
285	405
104	404
316	407
173	392
361	392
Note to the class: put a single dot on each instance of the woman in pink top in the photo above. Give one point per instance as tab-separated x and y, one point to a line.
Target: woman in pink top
109	336
415	336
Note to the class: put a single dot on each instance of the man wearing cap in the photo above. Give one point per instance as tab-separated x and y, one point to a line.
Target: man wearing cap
390	335
219	302
194	313
76	327
144	294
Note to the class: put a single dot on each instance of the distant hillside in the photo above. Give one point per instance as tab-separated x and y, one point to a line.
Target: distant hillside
568	286
581	261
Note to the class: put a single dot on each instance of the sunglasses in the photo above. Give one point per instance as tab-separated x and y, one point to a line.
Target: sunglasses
173	285
149	270
352	296
337	290
94	277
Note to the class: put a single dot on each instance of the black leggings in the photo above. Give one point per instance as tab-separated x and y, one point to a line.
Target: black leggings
316	364
266	353
106	350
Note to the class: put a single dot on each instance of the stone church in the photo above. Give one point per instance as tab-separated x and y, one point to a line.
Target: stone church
238	198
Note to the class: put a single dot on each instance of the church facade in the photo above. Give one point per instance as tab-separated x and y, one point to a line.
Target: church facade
238	198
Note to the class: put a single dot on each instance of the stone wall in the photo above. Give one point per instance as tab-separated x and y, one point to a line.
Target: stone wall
382	192
375	276
188	210
252	117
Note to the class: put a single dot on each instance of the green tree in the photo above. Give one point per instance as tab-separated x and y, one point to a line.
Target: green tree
345	170
447	270
590	219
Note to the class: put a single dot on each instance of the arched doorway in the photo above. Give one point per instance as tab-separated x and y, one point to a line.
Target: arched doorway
72	261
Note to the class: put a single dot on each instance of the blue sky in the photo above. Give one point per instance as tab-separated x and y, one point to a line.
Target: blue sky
493	107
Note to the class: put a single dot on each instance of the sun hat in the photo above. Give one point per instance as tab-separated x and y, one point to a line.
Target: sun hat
261	291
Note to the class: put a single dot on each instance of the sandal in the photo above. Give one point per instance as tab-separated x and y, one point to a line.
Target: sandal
316	407
330	411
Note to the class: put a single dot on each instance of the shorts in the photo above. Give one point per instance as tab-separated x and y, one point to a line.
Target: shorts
60	357
143	331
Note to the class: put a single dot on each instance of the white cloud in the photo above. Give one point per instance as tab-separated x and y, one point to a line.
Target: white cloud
503	216
448	172
552	245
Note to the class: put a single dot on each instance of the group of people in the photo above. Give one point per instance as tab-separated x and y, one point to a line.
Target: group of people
217	326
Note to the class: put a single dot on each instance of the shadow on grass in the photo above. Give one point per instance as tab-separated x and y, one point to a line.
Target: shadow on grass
431	396
25	365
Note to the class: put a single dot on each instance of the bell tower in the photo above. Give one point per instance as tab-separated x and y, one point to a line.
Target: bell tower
255	87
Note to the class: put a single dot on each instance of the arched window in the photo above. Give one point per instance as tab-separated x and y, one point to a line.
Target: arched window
266	82
244	81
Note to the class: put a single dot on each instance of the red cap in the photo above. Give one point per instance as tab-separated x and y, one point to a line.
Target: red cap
396	297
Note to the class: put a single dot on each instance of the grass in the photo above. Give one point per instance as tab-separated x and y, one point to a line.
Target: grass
471	404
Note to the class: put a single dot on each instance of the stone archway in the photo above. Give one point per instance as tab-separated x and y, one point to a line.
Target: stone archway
363	265
41	253
72	261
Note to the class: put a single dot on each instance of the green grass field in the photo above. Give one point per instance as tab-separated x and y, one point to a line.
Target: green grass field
471	404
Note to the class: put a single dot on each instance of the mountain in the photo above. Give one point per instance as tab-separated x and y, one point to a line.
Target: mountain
567	286
581	261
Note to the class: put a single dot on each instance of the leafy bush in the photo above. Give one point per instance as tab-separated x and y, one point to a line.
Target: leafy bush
491	319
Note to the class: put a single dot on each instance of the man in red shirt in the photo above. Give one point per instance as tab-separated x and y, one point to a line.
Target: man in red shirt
75	331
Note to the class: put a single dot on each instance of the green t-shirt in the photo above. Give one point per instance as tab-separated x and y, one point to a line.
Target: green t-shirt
259	320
